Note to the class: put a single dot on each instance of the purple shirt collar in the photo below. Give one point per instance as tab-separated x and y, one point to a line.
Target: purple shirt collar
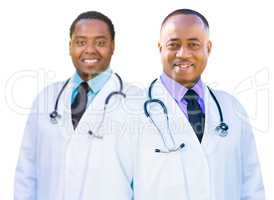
177	91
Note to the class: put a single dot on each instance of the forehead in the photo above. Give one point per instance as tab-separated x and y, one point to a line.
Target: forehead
91	28
184	27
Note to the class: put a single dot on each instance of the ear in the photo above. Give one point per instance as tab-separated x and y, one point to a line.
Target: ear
159	47
209	46
112	46
70	47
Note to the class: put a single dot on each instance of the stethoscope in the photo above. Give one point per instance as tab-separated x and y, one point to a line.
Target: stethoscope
54	115
221	129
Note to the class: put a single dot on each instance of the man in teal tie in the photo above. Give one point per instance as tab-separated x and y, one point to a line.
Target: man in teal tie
69	146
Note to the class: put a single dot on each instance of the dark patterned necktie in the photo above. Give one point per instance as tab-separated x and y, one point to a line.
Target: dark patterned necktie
78	106
195	115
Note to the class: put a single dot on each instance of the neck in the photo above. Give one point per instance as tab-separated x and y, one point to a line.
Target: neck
189	84
87	77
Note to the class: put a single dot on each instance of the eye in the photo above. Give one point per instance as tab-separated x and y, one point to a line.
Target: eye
194	45
80	43
173	45
101	43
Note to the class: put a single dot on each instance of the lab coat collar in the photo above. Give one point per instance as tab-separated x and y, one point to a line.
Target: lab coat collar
93	114
96	83
91	119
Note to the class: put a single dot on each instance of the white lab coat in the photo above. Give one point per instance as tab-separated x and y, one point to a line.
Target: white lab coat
57	162
220	168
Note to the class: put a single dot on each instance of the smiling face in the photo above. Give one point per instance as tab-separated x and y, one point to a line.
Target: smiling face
91	47
184	46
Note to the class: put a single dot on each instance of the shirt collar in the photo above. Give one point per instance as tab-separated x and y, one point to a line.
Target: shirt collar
177	91
96	83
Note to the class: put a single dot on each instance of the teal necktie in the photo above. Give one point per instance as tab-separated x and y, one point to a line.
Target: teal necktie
78	106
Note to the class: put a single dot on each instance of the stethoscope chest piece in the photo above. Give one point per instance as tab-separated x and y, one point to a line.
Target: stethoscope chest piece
222	129
53	117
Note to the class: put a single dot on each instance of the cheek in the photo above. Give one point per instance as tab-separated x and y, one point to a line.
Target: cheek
201	57
74	52
77	50
167	56
106	53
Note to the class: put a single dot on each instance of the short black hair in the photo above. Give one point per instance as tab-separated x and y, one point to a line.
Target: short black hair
186	11
93	15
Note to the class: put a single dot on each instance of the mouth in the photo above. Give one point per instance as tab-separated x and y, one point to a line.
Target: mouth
89	61
182	66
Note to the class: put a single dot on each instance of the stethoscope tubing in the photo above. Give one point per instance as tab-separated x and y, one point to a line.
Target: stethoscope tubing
54	114
222	128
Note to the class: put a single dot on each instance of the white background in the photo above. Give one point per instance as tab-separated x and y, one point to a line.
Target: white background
34	52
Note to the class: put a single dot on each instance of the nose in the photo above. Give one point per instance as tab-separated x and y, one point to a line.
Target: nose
182	52
90	48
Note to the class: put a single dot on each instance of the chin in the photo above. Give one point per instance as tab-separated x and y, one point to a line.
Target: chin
186	82
90	70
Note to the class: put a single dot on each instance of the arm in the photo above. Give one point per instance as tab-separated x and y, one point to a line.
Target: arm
125	153
25	175
252	185
127	142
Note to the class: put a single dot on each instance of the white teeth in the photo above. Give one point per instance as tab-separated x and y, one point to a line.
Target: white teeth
181	67
90	61
184	66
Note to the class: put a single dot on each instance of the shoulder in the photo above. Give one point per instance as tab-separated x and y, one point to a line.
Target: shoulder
223	96
48	93
135	97
229	102
51	89
130	89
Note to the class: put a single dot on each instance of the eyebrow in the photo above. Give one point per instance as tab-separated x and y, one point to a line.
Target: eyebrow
79	36
96	37
193	39
173	39
177	39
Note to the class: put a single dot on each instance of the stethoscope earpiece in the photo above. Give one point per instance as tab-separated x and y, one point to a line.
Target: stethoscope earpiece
157	151
181	146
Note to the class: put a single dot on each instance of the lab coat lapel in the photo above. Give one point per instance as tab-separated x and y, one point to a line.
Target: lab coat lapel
93	115
64	108
194	160
179	124
210	138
